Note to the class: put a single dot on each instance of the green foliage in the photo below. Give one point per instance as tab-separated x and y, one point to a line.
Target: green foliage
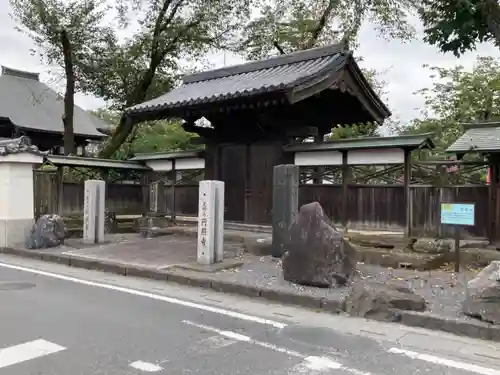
152	136
158	136
109	116
458	96
44	20
301	24
353	131
294	25
128	71
459	25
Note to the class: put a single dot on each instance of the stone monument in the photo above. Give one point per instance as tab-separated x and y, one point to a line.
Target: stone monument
17	208
93	211
315	253
285	203
210	222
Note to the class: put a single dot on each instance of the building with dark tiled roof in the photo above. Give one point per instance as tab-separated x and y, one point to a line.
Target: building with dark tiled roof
256	109
29	107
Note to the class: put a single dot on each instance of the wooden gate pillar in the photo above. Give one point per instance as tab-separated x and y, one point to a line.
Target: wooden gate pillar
407	193
493	207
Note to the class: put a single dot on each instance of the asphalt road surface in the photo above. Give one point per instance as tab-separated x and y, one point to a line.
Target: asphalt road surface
56	320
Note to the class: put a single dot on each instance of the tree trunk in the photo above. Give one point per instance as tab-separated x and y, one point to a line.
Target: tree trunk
125	126
318	29
491	10
69	96
139	94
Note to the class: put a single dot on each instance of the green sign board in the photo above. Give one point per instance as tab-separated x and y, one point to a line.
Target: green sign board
457	214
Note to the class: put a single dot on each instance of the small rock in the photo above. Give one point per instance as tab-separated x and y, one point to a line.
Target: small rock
48	231
438	246
381	301
315	253
482	296
259	247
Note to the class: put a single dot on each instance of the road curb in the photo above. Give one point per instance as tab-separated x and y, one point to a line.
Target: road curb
470	328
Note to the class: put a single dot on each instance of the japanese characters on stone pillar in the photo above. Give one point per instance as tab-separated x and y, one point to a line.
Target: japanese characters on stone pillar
94	211
210	231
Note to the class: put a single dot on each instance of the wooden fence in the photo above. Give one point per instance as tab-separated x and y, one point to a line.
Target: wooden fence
370	206
124	199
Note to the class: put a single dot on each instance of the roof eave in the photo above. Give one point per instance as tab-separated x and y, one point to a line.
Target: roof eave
167	155
331	75
449	150
381	110
423	141
313	84
89	136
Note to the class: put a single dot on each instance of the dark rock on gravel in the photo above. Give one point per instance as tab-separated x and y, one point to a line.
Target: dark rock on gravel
315	253
381	301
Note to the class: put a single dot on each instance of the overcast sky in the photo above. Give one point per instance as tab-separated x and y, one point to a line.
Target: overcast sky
400	63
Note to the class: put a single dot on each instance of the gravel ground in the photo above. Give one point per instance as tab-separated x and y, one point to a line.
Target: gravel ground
442	289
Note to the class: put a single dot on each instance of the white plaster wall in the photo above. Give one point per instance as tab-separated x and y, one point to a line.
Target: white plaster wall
189	163
318	158
160	165
4	190
16	191
180	164
375	156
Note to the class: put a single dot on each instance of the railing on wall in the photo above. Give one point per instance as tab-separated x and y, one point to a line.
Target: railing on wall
370	207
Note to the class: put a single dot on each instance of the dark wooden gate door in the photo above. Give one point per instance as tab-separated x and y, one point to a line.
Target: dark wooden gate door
263	157
233	173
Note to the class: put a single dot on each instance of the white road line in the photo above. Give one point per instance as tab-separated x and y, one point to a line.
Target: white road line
211	344
27	351
145	366
212	309
239	337
314	366
445	362
309	363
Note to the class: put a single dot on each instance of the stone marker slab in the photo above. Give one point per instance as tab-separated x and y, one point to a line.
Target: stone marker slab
285	203
94	211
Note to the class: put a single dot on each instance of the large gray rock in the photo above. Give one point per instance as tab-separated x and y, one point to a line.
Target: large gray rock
315	253
381	301
48	231
482	297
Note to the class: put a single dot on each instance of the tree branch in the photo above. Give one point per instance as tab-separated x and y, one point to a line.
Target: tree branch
491	11
278	47
172	14
318	29
159	26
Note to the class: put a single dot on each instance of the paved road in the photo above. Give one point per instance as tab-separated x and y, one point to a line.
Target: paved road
56	320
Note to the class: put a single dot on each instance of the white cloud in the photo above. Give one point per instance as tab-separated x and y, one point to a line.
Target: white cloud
400	62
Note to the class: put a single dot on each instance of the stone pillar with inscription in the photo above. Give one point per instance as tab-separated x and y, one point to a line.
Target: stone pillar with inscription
156	202
94	211
219	221
210	222
157	197
285	203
